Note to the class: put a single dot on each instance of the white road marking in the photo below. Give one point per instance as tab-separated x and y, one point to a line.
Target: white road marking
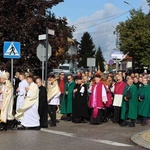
88	139
110	143
58	132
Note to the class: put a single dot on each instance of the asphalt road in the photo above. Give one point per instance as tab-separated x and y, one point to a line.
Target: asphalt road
70	136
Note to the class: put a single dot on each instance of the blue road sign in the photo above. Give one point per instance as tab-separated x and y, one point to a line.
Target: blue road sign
11	50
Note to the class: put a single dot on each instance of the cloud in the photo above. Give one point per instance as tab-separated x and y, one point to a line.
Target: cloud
145	6
100	25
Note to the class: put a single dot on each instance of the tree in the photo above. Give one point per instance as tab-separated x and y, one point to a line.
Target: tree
148	1
135	37
86	49
24	20
100	59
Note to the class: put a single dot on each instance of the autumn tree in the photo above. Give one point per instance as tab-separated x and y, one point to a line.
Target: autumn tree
24	20
86	49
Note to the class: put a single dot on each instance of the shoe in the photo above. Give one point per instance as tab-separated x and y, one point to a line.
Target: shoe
114	121
3	129
144	124
52	125
123	124
131	124
69	119
22	128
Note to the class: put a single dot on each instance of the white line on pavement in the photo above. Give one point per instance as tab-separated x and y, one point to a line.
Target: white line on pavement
88	139
110	143
58	132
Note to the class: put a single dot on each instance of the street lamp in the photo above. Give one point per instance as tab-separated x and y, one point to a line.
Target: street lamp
128	4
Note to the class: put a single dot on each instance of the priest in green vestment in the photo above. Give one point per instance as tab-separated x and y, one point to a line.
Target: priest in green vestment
66	105
129	104
144	104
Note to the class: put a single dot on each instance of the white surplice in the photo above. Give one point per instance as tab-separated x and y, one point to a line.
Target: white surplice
28	113
21	94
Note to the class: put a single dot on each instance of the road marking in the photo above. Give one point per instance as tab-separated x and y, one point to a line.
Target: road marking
110	143
58	132
88	139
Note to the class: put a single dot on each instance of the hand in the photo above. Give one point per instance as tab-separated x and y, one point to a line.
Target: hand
66	92
105	102
18	90
27	89
75	90
125	98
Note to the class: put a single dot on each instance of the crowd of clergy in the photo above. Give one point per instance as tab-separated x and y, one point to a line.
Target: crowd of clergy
88	97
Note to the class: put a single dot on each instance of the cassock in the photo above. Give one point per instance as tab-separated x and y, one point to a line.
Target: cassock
144	104
43	107
21	94
28	113
129	108
66	105
80	105
97	99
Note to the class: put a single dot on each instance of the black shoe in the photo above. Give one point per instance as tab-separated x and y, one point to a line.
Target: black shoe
131	124
69	119
22	128
52	125
3	129
123	124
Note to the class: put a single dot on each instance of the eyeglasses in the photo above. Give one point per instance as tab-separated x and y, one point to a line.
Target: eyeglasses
62	74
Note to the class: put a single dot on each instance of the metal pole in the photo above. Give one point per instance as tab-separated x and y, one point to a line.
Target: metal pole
46	57
12	71
116	66
43	72
43	67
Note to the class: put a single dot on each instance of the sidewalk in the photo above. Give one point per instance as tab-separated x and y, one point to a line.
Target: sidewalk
142	139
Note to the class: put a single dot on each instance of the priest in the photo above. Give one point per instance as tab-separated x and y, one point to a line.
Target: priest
97	101
28	113
66	105
53	97
43	106
7	117
80	105
129	104
118	91
144	98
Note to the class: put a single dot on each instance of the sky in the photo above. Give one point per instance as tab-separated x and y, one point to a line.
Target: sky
99	18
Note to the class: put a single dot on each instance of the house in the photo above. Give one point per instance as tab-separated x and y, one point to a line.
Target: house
126	63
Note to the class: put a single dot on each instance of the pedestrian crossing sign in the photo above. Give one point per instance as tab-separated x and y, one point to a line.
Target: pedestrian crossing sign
11	50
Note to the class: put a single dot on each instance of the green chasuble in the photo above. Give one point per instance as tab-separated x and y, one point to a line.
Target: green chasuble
144	106
66	105
129	108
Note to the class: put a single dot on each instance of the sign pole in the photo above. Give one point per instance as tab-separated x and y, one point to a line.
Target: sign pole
12	71
46	57
43	68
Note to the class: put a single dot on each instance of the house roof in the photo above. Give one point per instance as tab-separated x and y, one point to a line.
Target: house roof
127	58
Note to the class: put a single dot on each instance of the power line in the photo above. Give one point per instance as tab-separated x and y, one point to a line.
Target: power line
102	22
99	19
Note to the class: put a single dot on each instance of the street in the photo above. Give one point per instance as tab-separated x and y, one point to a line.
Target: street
70	136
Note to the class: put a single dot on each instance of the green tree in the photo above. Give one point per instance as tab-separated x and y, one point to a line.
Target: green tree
148	1
24	20
100	59
135	37
86	49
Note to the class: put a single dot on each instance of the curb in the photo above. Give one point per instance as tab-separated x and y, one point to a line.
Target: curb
141	139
